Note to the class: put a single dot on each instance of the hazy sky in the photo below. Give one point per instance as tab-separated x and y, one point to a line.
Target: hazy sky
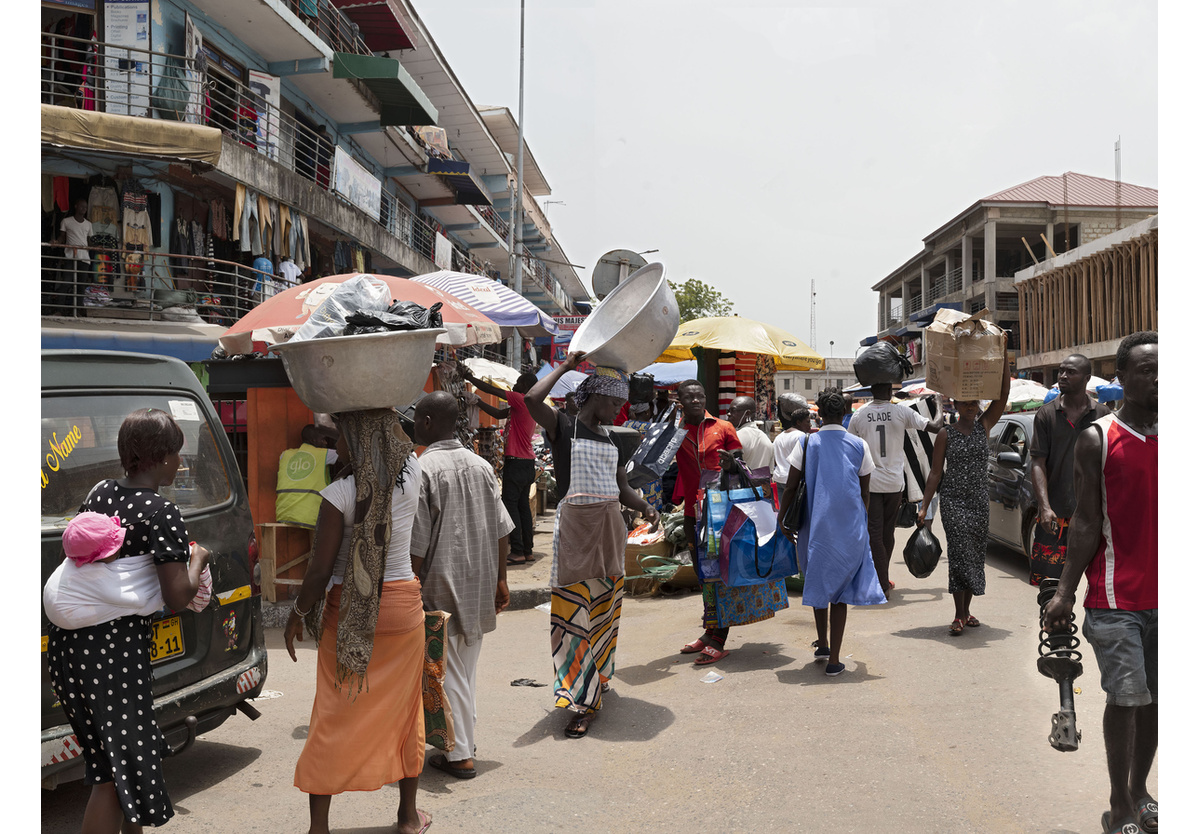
759	146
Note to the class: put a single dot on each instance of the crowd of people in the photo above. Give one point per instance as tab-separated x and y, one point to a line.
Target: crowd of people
365	606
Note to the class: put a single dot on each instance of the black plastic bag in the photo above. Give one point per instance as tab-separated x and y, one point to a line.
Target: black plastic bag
641	388
922	552
403	315
881	363
907	516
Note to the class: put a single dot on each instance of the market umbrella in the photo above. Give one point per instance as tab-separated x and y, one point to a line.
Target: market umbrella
567	383
496	301
1025	394
671	373
1096	387
736	334
277	318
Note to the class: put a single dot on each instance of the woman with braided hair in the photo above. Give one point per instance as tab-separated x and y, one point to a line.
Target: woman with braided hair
833	546
587	575
362	603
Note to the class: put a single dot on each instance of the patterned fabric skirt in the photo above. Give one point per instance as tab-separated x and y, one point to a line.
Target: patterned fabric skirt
966	525
363	740
584	618
1049	553
101	674
736	605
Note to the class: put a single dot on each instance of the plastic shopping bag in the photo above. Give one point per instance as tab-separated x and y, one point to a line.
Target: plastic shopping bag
361	293
922	552
750	551
654	454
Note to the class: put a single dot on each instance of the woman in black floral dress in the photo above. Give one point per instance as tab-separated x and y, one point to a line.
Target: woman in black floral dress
959	467
101	674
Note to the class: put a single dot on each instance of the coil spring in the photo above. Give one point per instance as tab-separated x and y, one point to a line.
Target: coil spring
1062	643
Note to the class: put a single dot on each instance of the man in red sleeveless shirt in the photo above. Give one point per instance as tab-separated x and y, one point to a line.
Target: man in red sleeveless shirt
1114	539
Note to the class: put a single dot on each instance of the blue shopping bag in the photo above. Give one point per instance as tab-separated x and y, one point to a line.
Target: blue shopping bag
753	551
717	503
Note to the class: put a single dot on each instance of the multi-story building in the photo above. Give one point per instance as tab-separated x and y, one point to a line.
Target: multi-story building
970	262
336	130
838	373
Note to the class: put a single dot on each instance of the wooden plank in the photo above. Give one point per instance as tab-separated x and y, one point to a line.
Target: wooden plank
266	560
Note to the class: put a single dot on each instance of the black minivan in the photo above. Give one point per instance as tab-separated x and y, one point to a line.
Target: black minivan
206	665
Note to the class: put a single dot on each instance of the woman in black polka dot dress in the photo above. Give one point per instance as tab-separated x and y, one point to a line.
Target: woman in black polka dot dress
101	674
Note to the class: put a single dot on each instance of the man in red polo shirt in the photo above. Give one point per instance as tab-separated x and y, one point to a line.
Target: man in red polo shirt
1114	540
708	447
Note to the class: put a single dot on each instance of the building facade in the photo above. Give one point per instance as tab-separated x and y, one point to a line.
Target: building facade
970	263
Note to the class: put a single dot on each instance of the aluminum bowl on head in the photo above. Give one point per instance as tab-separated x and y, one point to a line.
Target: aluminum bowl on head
355	373
634	323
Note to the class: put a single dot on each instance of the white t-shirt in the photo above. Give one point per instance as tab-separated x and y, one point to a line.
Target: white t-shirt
883	425
796	458
75	233
756	447
398	563
784	444
290	273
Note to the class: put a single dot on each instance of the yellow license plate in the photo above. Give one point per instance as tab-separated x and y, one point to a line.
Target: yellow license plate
167	640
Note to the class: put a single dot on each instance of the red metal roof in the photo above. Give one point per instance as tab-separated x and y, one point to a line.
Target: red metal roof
1082	190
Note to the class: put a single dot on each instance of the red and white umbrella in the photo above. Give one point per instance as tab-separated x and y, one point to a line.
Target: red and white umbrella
277	318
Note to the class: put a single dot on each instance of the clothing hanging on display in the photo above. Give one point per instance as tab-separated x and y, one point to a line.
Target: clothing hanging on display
102	209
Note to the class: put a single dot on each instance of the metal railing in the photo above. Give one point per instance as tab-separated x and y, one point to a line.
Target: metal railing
126	283
913	305
954	281
330	25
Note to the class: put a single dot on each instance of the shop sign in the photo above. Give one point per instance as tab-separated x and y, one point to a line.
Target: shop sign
266	103
356	183
127	71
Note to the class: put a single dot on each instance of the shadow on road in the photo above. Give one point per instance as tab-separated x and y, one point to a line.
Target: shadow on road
744	658
620	719
971	638
813	674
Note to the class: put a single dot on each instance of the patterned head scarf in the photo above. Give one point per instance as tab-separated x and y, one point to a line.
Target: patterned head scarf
607	382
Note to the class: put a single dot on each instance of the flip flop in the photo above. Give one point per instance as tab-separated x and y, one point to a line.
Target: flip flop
697	645
1147	809
428	821
514	560
579	725
1128	827
710	655
443	764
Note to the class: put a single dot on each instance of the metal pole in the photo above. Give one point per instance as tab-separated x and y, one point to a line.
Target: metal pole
520	157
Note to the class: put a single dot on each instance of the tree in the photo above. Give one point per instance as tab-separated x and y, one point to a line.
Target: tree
698	300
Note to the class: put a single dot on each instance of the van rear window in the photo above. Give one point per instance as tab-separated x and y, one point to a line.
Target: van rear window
79	449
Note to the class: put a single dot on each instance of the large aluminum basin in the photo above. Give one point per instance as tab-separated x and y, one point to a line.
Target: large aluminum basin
355	373
633	325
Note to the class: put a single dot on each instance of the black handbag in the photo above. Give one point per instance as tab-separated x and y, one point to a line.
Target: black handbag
793	516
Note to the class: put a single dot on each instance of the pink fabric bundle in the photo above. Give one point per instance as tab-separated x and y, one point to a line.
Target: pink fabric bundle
201	600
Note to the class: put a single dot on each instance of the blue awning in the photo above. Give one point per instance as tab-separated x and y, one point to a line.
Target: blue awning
867	342
190	343
469	190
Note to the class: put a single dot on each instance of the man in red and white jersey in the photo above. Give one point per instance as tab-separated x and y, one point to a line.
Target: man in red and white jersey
1114	540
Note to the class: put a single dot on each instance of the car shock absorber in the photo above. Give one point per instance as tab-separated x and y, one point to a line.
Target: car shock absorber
1059	658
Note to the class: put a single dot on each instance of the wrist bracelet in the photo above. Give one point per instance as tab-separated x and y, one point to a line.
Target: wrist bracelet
296	609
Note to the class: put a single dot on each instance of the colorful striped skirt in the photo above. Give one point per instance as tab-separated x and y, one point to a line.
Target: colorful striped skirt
583	640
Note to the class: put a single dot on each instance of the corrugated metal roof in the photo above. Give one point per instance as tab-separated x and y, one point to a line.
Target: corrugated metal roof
1082	190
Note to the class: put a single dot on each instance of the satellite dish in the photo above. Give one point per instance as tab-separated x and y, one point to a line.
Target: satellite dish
613	268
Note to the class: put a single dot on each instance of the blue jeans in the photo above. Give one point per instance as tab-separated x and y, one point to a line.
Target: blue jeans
1126	647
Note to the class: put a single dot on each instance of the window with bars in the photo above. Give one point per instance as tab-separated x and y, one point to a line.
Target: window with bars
232	410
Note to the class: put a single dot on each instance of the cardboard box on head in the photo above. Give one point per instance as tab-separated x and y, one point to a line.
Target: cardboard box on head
964	355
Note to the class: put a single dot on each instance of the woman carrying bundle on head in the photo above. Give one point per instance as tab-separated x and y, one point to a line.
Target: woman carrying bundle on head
587	575
833	547
362	603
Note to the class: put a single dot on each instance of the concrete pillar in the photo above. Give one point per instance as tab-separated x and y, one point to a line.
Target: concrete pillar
925	299
905	295
989	251
948	261
882	311
1050	234
967	251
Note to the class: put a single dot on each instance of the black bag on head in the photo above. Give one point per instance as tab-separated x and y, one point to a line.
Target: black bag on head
641	388
922	552
881	363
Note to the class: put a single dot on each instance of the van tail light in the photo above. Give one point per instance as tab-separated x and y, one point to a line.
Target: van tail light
255	570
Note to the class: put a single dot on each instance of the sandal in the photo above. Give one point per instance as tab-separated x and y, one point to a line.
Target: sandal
973	623
1128	827
697	645
956	627
518	559
1147	810
710	655
578	726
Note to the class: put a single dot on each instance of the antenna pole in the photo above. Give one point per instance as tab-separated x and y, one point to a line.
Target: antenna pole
1117	150
812	314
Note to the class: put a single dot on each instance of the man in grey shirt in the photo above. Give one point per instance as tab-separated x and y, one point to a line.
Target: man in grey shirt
459	552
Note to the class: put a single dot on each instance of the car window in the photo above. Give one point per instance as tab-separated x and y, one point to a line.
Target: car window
1015	440
79	449
994	435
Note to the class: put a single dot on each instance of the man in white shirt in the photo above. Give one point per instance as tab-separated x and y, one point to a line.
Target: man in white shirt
882	423
757	450
74	232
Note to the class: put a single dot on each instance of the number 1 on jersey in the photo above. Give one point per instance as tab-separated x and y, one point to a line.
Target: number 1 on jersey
882	440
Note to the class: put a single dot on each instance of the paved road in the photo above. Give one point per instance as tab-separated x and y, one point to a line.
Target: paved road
923	733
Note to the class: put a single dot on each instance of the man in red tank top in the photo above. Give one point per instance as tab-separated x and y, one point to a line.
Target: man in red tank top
1114	541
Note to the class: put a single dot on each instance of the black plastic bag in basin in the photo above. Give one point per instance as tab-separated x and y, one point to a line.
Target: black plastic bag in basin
403	315
922	552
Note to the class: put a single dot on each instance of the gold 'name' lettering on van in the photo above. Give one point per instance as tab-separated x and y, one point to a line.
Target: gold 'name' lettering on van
60	450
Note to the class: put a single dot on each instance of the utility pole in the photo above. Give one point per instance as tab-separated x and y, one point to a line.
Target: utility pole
517	210
1118	153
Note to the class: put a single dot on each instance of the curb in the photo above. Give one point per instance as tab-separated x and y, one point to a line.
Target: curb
275	614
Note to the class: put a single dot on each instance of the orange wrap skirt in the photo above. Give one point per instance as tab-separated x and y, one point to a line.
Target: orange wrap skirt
365	741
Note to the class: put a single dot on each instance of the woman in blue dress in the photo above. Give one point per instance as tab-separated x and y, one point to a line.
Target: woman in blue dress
833	547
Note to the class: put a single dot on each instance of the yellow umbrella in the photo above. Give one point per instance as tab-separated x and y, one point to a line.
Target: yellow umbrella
736	334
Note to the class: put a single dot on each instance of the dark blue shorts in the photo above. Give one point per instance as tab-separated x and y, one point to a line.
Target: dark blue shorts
1126	647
